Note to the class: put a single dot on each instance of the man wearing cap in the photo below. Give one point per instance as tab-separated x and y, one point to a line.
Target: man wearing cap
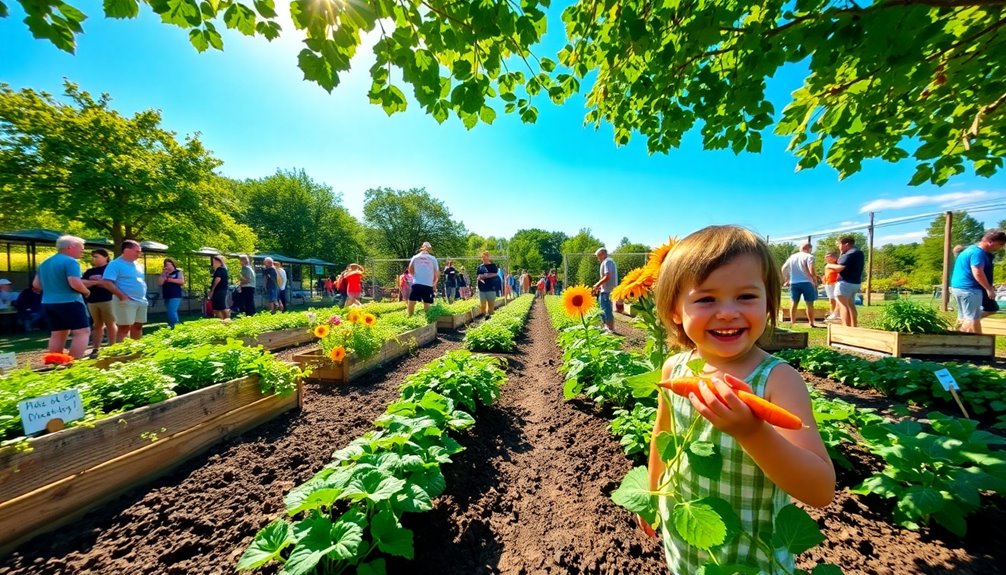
425	272
603	287
125	278
63	294
7	296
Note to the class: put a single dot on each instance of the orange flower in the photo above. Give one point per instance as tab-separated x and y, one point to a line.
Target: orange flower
353	316
320	331
369	319
659	254
337	354
578	300
57	358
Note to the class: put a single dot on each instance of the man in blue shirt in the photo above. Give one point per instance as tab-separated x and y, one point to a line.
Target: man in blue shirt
125	278
609	281
850	277
972	278
63	294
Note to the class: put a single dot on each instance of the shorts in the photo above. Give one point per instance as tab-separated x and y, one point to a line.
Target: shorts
487	296
604	302
846	289
829	290
102	312
130	312
805	289
272	294
420	292
969	303
66	316
219	300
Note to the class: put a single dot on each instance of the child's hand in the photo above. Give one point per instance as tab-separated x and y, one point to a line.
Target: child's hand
642	524
729	414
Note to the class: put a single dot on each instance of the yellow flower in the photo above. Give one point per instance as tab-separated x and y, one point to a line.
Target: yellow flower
353	316
369	319
320	331
659	254
577	300
337	354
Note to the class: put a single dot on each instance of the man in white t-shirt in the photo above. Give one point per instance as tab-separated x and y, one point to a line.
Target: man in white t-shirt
798	272
425	272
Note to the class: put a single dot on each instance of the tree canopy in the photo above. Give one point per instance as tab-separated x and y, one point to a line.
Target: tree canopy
121	177
891	79
403	219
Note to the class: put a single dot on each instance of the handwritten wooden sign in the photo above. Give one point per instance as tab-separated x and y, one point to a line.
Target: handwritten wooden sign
36	413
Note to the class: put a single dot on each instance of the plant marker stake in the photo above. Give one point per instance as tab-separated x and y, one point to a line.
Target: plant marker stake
957	398
950	384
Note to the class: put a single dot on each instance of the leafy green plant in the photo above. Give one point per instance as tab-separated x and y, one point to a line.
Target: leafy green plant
838	423
352	508
499	332
907	316
634	428
938	476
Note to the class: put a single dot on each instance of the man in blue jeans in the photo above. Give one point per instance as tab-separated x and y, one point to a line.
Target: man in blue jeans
603	287
972	278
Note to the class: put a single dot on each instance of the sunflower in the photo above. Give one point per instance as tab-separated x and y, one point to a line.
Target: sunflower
353	316
320	331
624	290
337	354
659	254
578	300
369	319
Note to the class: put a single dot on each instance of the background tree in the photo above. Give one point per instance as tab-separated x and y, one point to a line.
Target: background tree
782	251
629	256
965	231
295	215
581	263
830	243
121	177
536	249
403	219
885	79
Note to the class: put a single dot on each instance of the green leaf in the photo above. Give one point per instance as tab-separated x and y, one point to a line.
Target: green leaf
731	520
699	524
198	40
242	18
826	569
705	459
696	365
487	114
634	494
375	567
121	8
795	530
182	13
667	447
918	502
346	540
3	10
390	536
644	384
413	499
266	546
571	388
373	485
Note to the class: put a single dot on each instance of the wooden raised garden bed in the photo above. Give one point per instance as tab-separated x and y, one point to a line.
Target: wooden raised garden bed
782	339
270	341
994	326
74	470
801	313
952	344
454	321
322	368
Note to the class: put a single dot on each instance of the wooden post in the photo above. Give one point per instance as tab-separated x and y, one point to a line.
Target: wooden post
957	398
869	269
947	228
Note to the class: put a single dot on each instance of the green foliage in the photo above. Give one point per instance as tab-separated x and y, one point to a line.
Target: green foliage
403	219
838	423
983	389
907	316
353	507
580	259
965	230
499	332
594	364
124	177
536	250
446	310
126	386
633	428
940	475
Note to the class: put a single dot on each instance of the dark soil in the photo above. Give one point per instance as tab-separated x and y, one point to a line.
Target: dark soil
529	495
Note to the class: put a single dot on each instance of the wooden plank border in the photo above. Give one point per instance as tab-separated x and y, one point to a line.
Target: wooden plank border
346	371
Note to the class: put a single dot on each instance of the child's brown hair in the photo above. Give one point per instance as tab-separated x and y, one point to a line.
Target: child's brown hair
694	258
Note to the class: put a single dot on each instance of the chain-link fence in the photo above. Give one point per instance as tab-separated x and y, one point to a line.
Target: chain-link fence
584	269
382	274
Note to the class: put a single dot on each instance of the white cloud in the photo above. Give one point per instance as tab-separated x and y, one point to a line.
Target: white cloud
943	200
905	238
850	223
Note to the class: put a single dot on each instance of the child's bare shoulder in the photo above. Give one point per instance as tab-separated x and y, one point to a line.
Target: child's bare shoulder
784	378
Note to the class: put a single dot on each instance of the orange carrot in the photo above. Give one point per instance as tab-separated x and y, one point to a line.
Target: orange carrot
760	407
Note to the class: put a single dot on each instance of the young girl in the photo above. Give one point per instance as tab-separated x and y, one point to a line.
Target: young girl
830	278
718	289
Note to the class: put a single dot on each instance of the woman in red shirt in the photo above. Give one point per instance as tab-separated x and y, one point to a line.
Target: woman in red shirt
354	284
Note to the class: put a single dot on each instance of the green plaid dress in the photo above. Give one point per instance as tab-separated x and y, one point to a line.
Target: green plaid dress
754	498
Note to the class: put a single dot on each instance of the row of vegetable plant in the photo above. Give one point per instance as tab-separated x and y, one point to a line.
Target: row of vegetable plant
983	388
454	308
208	330
352	509
498	334
124	386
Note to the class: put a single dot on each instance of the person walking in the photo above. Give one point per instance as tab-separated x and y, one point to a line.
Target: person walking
489	284
425	273
246	280
404	284
609	280
451	281
99	303
525	282
798	272
271	284
972	279
125	278
171	281
850	277
220	288
63	293
281	281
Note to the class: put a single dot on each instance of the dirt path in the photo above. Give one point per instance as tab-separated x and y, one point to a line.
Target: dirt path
531	492
199	518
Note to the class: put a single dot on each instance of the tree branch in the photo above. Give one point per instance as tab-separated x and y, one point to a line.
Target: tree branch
985	110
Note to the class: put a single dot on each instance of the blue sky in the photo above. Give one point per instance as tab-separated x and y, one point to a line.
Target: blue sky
256	113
